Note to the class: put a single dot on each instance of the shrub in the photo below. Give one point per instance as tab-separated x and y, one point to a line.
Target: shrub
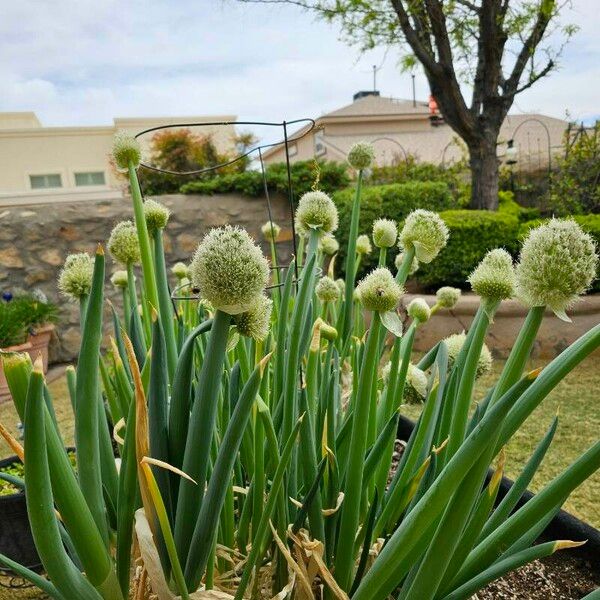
507	204
472	234
331	176
21	314
393	201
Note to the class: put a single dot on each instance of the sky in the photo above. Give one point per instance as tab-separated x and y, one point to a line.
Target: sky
77	62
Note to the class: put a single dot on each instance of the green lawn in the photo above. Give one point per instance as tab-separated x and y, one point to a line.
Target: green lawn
577	399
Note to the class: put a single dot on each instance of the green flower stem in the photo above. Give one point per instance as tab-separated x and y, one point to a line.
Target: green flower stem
403	271
349	519
40	503
466	384
382	257
87	394
259	470
134	314
345	326
200	434
150	288
520	352
165	306
208	518
261	529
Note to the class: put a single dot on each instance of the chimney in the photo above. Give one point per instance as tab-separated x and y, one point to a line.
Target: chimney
364	94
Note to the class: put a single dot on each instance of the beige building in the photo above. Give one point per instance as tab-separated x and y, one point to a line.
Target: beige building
400	128
39	164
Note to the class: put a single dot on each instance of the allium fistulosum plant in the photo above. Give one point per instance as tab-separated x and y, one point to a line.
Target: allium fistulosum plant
255	423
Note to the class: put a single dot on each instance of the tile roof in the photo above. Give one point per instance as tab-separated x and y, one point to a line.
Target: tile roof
379	105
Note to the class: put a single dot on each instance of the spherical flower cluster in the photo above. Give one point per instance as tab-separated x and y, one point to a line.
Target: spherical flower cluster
494	276
316	211
126	150
363	245
328	244
455	343
75	278
255	322
379	291
229	269
447	297
418	310
341	285
424	231
361	155
180	270
156	214
327	290
119	279
414	265
557	264
385	232
123	243
415	386
271	231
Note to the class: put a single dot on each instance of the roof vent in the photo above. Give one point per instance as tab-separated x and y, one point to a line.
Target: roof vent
364	94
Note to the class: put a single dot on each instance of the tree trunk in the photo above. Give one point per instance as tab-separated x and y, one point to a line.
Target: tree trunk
484	174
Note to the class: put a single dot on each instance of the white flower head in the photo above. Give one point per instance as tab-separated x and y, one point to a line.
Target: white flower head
363	245
494	276
385	232
361	156
327	290
126	150
328	244
316	211
270	231
255	322
424	231
75	278
123	243
379	291
419	310
557	264
448	297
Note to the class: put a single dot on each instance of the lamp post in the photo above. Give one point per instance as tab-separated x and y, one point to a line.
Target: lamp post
511	160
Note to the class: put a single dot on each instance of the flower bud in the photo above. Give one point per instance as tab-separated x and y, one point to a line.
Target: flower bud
271	231
361	155
123	243
119	279
327	290
341	285
156	214
255	322
385	232
414	265
424	231
378	291
75	278
229	269
455	342
418	310
328	244
447	297
180	270
316	211
557	264
494	276
363	245
415	386
126	150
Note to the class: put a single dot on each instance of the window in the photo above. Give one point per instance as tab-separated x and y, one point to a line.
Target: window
90	178
42	182
320	148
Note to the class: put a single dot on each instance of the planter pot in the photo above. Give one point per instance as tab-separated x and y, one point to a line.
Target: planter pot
16	540
554	335
151	562
564	526
39	340
4	391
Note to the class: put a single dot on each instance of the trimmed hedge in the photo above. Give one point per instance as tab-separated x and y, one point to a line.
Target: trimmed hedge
393	201
332	176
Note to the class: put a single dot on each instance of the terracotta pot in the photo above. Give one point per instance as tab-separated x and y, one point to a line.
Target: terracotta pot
4	391
39	340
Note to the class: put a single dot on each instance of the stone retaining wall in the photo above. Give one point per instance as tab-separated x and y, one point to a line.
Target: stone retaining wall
35	240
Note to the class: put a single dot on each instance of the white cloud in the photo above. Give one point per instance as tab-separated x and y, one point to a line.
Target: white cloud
88	61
